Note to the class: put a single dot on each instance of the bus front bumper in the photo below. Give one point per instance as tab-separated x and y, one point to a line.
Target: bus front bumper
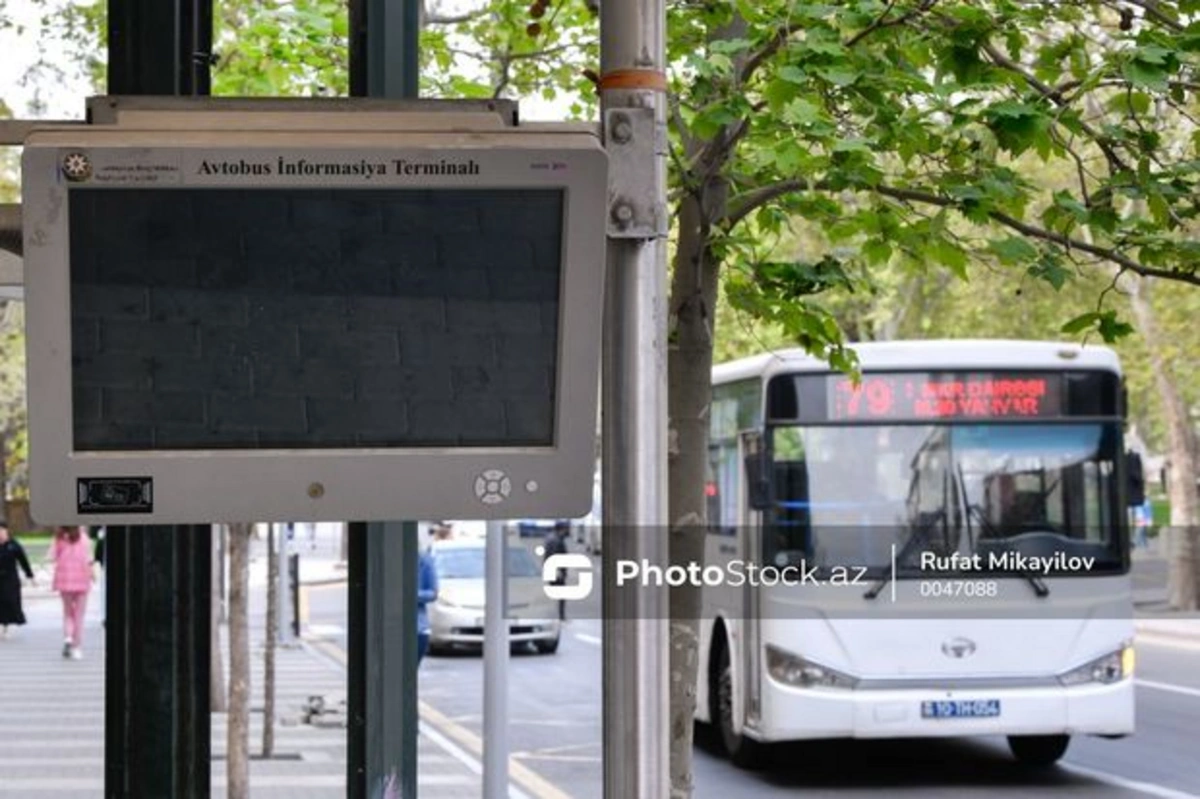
798	713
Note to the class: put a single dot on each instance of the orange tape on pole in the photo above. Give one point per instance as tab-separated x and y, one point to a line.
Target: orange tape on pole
644	79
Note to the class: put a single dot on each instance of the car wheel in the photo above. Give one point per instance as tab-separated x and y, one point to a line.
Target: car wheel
743	752
547	647
1038	751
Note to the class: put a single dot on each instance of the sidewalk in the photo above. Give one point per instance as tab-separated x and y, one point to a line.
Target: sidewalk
52	723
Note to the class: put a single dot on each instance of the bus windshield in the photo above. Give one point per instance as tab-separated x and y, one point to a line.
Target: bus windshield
844	495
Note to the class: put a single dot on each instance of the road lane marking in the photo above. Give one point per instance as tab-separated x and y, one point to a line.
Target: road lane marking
1166	686
527	779
1151	788
558	749
594	640
536	786
458	754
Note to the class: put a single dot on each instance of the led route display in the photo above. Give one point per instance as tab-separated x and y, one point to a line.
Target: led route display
925	396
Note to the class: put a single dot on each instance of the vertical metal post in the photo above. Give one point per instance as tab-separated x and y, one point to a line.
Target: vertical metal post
157	721
382	674
384	48
634	402
284	586
382	733
495	665
357	635
116	558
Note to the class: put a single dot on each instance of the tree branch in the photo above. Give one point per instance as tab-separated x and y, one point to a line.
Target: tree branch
433	18
1053	96
509	56
1080	168
1152	10
503	73
766	51
882	21
743	205
773	45
452	19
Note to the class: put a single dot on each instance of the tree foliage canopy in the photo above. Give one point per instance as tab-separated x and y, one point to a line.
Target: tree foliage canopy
920	131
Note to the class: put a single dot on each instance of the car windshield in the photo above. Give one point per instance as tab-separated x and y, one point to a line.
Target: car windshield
468	563
844	495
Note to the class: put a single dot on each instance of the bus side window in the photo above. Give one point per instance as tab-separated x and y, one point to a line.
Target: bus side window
721	489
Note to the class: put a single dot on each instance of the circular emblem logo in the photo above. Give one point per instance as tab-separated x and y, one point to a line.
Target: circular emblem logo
76	167
958	648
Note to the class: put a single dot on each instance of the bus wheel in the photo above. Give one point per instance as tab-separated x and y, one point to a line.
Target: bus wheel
743	752
1038	750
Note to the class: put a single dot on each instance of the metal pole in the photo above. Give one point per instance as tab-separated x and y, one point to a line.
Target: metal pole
157	722
287	618
634	402
495	666
382	618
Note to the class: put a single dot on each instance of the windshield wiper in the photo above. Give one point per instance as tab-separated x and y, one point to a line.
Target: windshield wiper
1039	585
879	585
918	534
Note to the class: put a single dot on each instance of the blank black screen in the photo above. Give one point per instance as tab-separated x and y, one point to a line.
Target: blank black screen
312	318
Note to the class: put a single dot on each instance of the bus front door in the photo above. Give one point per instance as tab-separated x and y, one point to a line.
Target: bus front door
750	537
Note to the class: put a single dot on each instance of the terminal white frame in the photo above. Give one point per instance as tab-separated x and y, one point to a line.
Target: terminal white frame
217	485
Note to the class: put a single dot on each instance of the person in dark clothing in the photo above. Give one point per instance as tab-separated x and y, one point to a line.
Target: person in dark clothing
427	591
12	558
556	544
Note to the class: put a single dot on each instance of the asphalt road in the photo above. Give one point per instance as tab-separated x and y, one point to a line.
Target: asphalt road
555	717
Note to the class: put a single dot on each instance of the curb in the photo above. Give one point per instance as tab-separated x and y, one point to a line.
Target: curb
1178	630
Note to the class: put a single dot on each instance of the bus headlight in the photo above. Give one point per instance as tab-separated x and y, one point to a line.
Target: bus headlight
794	670
1113	667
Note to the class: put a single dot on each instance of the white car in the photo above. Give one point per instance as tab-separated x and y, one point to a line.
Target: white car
456	617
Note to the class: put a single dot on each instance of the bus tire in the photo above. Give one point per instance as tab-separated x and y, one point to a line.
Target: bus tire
744	752
1038	751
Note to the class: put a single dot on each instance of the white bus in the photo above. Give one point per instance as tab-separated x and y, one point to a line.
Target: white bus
941	549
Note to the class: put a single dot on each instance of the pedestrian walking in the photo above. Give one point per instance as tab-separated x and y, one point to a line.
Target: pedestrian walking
427	591
72	556
12	563
1143	517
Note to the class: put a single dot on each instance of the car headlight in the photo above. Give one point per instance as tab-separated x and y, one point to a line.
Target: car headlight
794	670
1111	668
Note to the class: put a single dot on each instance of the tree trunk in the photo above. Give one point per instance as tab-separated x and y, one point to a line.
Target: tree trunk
1182	537
219	701
268	739
238	730
689	389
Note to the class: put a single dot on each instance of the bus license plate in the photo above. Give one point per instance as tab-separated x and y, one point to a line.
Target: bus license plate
960	709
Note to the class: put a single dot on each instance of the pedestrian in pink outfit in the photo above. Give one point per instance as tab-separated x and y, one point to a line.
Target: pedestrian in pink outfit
72	555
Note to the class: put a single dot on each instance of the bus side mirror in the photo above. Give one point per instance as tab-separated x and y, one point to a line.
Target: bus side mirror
758	486
1135	477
